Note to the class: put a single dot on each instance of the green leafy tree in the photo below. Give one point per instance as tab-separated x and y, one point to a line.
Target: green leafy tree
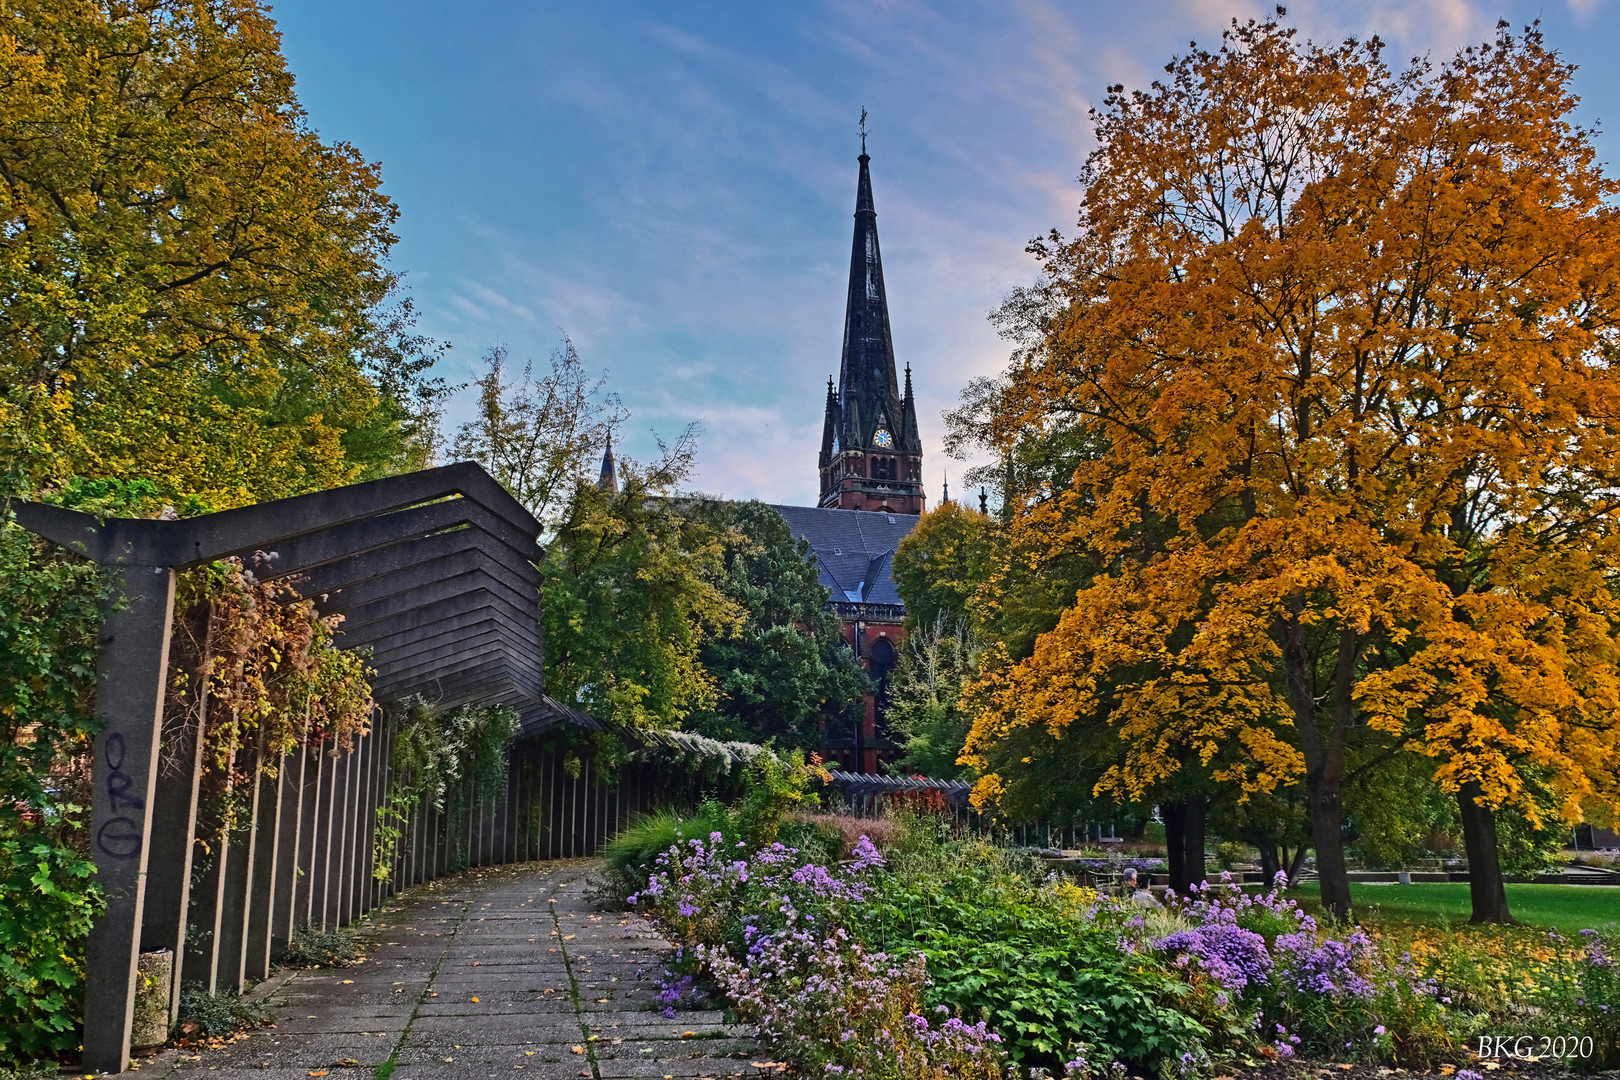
925	697
630	598
941	564
786	667
195	284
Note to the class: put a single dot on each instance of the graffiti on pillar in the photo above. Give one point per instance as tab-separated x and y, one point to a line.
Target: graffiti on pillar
119	837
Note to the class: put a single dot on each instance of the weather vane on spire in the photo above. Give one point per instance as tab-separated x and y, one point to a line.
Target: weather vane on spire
863	129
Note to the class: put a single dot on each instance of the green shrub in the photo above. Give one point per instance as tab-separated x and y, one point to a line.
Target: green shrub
1046	976
31	1070
1230	853
44	923
820	841
216	1015
312	947
50	618
773	786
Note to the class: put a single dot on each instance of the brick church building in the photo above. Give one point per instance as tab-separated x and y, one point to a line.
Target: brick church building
871	491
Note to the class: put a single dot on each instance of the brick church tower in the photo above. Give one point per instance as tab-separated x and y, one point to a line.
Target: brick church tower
871	452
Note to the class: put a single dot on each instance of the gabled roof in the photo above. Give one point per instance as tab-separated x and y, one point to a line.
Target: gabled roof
854	549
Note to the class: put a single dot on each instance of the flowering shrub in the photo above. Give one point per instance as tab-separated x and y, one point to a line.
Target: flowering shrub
1598	972
833	1007
770	928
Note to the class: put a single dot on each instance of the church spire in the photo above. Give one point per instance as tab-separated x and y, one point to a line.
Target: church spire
609	480
873	461
866	371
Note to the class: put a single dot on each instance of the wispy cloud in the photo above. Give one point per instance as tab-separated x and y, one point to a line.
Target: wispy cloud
673	185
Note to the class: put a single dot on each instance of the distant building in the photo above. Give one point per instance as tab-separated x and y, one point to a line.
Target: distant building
854	552
871	491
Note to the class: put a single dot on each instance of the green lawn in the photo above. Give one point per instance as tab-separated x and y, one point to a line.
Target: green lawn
1565	908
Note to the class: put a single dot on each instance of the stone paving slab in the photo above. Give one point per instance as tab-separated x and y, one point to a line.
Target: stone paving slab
501	972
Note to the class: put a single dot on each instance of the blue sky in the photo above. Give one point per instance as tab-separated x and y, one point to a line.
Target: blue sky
673	183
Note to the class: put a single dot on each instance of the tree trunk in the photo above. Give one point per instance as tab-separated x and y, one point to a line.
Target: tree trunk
1270	859
1192	832
1484	865
1175	843
1326	818
1293	867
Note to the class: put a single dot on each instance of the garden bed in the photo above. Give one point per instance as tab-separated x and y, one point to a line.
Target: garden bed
944	956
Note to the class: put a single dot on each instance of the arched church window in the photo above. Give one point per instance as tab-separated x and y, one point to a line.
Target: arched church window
883	658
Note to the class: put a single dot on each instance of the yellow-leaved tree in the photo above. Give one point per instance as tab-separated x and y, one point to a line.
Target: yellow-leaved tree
1343	337
195	284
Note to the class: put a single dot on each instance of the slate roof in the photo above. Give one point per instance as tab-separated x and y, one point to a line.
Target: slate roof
854	549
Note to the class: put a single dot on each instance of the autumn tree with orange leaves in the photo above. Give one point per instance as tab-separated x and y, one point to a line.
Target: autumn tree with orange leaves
1343	338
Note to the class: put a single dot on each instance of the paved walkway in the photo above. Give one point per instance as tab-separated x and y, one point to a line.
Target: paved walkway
507	972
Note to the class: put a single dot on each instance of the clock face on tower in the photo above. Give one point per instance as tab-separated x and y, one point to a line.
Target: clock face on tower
882	438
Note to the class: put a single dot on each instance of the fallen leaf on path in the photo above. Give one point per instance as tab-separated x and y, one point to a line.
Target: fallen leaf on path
317	1072
475	1000
576	1049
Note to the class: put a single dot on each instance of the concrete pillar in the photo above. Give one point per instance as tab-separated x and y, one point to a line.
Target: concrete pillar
305	911
174	824
266	854
331	831
285	889
237	881
131	675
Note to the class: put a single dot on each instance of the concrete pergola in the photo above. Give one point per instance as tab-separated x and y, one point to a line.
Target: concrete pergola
434	572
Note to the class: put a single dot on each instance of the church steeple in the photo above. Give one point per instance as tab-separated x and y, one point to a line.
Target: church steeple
609	479
874	459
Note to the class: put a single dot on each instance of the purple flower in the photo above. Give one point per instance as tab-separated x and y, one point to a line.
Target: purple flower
1327	968
1234	957
866	854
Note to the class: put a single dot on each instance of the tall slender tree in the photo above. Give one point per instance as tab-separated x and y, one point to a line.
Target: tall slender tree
539	435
